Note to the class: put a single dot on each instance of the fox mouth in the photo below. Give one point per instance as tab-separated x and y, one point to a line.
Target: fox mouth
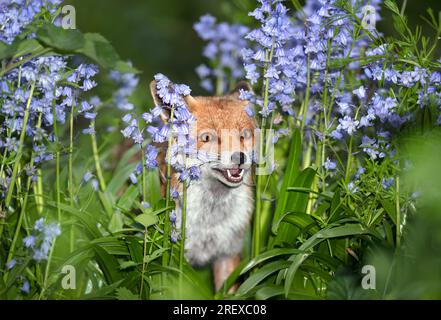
233	175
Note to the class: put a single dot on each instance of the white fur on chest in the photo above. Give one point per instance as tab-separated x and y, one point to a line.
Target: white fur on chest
216	220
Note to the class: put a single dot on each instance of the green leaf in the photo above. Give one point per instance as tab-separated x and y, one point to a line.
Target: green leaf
88	221
112	245
108	264
292	171
347	286
335	205
272	291
147	219
126	294
27	46
155	255
326	233
128	264
296	202
99	49
390	208
266	256
120	178
299	219
19	48
106	292
116	222
261	274
61	39
107	201
391	5
127	200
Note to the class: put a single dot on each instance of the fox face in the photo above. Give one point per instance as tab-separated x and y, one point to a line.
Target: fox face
224	135
220	203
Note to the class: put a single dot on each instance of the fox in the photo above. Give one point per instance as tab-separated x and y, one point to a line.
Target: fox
221	202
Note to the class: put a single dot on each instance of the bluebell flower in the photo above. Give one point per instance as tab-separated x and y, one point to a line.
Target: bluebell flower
11	264
95	184
133	178
359	172
174	236
348	124
352	188
26	287
225	42
360	92
387	183
151	154
40	242
126	84
173	216
29	241
329	165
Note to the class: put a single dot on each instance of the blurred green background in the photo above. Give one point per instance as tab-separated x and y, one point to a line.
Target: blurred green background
158	36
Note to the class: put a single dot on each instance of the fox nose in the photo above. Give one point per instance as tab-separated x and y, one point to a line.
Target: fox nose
238	158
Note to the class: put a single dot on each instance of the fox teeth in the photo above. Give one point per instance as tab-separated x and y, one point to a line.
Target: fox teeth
240	174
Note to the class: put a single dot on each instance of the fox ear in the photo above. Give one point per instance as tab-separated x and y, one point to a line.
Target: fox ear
241	85
154	93
165	115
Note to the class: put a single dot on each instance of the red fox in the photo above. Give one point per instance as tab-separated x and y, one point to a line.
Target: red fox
221	202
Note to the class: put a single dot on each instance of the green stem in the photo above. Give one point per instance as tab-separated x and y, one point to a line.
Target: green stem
183	222
47	269
219	85
70	161
167	226
144	254
57	164
96	158
38	191
20	148
144	175
398	210
70	174
24	204
256	245
403	8
144	196
23	61
183	234
307	94
349	162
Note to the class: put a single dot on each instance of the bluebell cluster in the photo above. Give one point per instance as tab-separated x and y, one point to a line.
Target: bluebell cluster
16	15
41	240
223	50
57	90
154	129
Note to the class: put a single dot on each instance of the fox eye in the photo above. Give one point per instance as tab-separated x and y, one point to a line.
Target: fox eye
207	137
246	134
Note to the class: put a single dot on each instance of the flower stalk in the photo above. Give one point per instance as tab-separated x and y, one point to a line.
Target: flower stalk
20	148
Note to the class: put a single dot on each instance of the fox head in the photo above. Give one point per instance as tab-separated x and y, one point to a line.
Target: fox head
223	133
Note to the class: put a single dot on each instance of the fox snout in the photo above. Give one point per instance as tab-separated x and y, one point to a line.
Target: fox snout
238	158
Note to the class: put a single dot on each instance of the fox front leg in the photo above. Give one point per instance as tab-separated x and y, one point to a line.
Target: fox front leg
222	268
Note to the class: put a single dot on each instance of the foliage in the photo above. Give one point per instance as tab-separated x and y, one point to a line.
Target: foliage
355	116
